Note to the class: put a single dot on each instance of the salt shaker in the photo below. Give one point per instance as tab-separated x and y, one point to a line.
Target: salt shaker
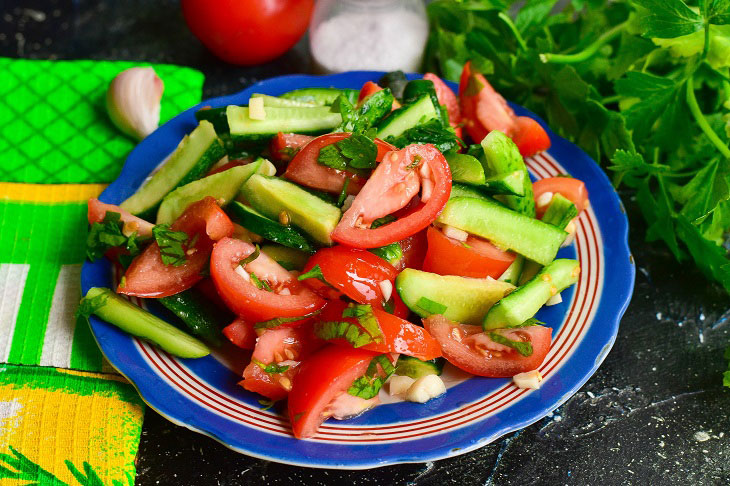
378	35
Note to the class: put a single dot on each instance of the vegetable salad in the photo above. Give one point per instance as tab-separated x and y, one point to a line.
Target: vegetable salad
346	241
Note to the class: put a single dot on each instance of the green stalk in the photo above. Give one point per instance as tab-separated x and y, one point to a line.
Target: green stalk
586	53
694	108
507	20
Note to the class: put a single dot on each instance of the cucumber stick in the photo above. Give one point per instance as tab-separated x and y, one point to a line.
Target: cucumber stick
321	96
136	321
275	197
504	227
523	303
416	368
223	186
466	169
275	102
560	212
191	159
502	156
407	117
288	258
272	230
196	313
292	119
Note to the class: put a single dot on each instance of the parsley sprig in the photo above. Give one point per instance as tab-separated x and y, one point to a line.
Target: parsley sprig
109	234
355	152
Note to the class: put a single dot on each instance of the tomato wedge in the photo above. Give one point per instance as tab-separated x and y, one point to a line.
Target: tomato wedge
531	138
240	333
568	187
97	211
284	146
283	348
482	108
475	257
305	170
447	98
470	348
353	272
204	222
414	251
392	186
288	297
398	335
323	377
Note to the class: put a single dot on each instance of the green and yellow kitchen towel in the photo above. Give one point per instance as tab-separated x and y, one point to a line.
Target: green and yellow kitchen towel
64	417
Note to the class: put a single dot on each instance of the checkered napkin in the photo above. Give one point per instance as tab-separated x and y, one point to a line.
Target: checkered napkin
64	419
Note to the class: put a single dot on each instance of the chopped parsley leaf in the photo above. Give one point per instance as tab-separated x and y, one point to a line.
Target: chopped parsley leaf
315	272
361	151
108	234
348	331
365	317
172	244
331	157
260	284
524	348
368	385
253	256
271	368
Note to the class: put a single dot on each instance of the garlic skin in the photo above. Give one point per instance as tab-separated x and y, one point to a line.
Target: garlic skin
133	101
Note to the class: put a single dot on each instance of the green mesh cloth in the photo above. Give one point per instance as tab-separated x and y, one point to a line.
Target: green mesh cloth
53	123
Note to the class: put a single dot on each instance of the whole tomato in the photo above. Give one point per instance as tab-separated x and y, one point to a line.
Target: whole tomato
248	32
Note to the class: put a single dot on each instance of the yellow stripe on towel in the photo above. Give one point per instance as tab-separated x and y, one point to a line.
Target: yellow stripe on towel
49	193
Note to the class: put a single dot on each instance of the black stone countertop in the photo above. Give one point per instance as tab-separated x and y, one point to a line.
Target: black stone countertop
654	413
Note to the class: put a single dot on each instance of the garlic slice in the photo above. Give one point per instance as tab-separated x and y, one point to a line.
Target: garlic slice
133	101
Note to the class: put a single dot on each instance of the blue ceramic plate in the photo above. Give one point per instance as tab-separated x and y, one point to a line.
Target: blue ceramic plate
203	395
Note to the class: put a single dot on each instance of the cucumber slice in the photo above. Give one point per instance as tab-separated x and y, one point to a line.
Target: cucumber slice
407	117
321	96
288	258
391	253
136	321
272	196
560	212
275	102
465	169
223	186
202	319
523	303
416	368
216	116
312	120
463	190
466	299
529	270
513	272
507	183
191	159
504	227
257	223
501	156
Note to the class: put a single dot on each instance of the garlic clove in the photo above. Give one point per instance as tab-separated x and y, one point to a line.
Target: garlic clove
133	101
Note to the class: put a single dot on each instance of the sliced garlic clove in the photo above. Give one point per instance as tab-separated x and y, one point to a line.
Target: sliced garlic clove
133	101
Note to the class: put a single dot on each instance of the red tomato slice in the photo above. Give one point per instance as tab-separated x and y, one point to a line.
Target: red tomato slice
284	346
414	251
97	212
531	138
351	271
393	184
323	377
284	146
289	298
568	187
474	258
482	108
368	89
447	98
240	333
398	335
305	170
470	348
204	222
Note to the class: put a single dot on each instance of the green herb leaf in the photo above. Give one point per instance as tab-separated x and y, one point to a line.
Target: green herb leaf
172	244
358	119
89	306
668	18
315	272
365	317
260	284
383	221
330	156
368	385
329	330
108	234
524	348
343	193
389	306
360	149
531	322
432	132
253	256
271	368
431	306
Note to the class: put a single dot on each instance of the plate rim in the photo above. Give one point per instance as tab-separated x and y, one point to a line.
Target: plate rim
620	300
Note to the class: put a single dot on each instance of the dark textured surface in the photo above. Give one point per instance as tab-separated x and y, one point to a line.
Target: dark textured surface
654	413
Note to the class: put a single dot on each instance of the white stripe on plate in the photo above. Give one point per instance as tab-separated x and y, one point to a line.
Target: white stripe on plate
58	340
12	283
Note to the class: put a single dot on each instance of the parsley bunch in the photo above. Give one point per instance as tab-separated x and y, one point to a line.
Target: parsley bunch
643	86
